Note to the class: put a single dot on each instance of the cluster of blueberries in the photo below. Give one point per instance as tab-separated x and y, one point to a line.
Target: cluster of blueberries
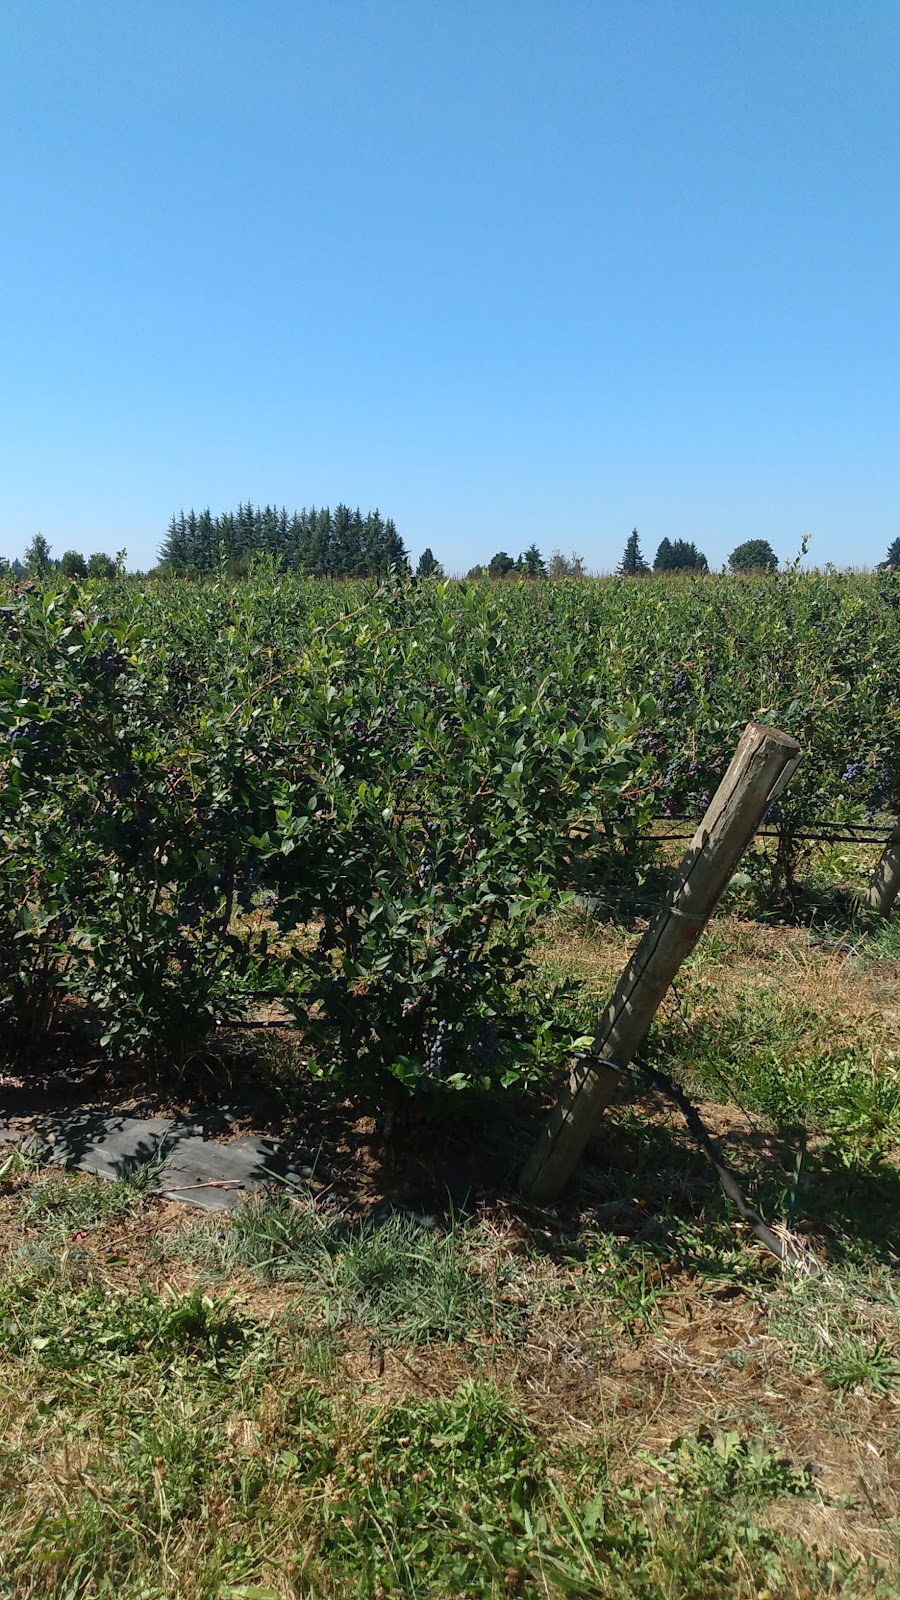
110	663
883	788
9	620
428	869
411	1007
434	1061
459	964
670	803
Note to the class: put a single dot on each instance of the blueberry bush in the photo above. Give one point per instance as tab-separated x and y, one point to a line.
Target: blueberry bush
356	798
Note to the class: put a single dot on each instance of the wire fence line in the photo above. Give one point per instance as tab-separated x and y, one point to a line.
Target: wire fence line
591	896
837	833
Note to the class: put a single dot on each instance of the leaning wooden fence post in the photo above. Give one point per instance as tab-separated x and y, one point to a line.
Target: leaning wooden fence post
885	884
762	765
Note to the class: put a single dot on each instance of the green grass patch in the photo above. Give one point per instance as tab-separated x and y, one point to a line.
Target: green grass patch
407	1282
191	1444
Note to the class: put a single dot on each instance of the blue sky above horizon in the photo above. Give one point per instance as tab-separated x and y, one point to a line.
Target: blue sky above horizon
512	271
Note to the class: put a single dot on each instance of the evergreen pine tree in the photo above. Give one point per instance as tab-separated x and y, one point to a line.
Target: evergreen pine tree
357	538
174	550
429	566
394	549
340	553
207	542
322	533
633	564
679	555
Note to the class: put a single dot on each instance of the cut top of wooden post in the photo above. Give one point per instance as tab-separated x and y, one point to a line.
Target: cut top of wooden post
762	765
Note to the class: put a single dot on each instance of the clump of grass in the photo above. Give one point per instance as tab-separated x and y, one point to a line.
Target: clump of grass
401	1279
881	943
627	1277
435	1498
60	1204
844	1330
277	1237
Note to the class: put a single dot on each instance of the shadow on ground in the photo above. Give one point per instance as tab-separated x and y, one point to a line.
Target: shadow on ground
642	1176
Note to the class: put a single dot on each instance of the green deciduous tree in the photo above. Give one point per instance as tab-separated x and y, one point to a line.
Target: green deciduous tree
500	564
560	566
73	565
754	555
37	557
101	565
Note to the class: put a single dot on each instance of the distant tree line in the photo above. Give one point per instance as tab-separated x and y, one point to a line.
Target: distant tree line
530	564
682	555
672	555
343	543
39	563
325	543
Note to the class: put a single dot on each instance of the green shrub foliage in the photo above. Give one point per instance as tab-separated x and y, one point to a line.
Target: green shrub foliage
368	773
356	798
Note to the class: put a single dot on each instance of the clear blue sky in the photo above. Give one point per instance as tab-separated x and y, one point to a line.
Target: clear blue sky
511	270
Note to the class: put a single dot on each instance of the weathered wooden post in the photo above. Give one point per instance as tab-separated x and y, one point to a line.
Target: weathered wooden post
885	884
762	765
